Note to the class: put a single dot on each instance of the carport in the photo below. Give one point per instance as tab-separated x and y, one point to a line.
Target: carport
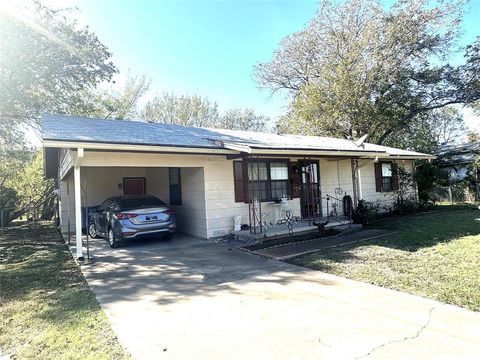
94	176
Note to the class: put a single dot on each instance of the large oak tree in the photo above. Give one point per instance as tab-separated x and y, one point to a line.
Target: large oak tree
357	68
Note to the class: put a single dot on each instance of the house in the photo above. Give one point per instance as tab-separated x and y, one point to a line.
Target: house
456	162
210	175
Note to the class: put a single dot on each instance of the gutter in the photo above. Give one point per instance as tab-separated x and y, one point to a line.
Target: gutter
226	148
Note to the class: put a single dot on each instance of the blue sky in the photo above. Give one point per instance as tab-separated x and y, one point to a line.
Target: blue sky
207	48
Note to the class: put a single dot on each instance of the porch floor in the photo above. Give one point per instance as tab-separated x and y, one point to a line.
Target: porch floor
282	229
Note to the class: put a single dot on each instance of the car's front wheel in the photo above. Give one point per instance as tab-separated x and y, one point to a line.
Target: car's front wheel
92	231
112	239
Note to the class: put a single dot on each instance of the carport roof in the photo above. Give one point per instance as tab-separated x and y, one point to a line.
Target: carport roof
63	128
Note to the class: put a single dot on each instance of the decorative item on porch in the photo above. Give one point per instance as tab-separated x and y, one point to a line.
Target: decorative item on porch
285	205
237	220
289	220
280	206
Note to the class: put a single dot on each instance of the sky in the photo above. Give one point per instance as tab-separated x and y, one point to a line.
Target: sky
206	48
209	48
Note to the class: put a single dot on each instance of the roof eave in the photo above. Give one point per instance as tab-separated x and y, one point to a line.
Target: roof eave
133	147
413	157
226	150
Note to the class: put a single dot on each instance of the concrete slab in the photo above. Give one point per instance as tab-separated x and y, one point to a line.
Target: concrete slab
191	299
287	251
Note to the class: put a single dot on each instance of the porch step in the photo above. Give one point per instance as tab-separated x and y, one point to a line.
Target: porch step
282	232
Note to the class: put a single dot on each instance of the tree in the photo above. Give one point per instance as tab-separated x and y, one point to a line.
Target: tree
357	68
431	130
243	119
112	102
182	110
47	63
473	136
199	111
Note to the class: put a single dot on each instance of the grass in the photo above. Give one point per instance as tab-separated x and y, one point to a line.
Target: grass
47	310
436	255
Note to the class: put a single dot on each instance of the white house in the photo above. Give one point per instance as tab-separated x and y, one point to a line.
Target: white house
202	173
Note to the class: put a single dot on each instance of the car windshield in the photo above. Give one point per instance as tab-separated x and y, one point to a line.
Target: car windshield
139	203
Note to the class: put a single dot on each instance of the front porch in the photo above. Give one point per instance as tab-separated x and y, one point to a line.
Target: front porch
298	227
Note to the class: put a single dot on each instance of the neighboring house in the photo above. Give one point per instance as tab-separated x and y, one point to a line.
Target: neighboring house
202	173
456	162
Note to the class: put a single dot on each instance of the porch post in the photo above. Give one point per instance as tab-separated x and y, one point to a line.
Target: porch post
78	204
359	183
355	181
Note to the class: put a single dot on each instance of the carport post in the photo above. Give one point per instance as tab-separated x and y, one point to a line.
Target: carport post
78	204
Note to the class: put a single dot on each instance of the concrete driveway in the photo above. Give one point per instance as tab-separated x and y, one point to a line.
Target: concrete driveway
192	299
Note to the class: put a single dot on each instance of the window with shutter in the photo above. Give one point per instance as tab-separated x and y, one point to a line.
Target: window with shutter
386	176
269	179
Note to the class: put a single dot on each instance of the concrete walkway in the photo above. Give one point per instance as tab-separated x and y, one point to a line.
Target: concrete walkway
190	299
287	251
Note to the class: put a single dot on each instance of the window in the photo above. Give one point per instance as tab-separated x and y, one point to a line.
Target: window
267	180
387	183
175	186
386	176
278	179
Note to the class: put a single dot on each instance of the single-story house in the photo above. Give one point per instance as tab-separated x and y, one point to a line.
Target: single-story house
455	160
209	176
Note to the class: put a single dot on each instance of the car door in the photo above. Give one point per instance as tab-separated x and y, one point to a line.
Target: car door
112	207
101	217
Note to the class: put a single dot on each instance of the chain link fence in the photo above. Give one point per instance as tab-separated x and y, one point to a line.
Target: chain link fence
455	194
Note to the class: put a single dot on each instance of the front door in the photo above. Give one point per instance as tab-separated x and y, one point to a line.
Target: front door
134	186
310	195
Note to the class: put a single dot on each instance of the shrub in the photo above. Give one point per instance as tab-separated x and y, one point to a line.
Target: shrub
365	212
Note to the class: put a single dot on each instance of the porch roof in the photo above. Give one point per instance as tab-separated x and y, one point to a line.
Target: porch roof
73	131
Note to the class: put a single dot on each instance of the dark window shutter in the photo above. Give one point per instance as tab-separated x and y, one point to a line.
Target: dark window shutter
238	181
294	180
378	177
394	176
175	186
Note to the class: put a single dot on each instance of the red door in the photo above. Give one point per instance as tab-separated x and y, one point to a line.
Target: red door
133	186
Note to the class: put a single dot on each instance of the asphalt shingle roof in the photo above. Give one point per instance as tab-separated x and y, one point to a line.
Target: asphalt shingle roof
82	129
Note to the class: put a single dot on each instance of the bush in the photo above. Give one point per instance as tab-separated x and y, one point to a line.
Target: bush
365	212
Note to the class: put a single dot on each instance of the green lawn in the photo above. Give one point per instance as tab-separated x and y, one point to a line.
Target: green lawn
47	310
436	255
